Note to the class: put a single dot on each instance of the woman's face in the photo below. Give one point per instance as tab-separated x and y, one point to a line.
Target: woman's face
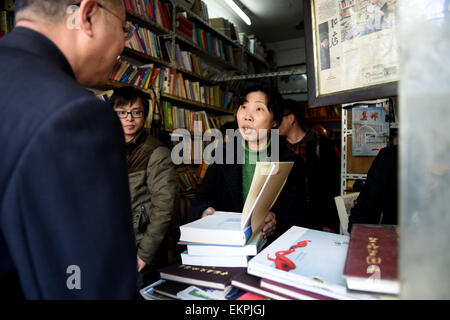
254	118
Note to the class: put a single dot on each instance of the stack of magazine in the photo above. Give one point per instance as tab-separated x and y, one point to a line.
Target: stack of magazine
230	239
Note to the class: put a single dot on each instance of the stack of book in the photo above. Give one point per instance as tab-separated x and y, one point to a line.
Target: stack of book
221	255
149	43
144	76
184	282
229	239
319	265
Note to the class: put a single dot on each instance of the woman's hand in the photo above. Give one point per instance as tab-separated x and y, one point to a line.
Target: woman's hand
140	264
270	223
208	212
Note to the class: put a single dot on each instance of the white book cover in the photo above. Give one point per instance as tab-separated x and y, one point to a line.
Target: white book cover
307	259
252	248
214	261
222	228
231	228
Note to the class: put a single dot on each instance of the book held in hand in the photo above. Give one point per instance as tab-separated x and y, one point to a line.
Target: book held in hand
231	228
372	259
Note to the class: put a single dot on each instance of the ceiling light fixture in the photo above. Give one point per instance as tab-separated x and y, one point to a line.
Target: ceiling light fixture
239	11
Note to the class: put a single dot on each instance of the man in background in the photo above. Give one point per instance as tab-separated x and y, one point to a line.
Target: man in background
321	165
65	213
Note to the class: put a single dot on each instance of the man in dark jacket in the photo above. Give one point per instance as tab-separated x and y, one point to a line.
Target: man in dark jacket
65	213
321	165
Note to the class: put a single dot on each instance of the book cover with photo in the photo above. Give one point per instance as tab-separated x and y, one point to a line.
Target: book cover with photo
307	259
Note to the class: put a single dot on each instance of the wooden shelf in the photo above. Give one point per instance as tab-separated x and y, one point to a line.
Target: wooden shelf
144	22
205	54
193	103
205	25
195	75
144	57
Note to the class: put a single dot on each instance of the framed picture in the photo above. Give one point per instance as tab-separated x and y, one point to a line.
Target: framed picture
351	50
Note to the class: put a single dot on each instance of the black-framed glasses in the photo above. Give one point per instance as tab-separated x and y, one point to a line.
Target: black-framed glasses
134	114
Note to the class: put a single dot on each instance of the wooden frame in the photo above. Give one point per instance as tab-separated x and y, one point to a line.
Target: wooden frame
315	99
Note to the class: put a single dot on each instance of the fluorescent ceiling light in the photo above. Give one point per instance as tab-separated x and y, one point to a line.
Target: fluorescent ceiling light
239	11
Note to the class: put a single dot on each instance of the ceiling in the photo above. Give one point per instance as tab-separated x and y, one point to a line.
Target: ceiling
272	20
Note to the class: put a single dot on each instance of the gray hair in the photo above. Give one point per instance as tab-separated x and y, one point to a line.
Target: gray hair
54	9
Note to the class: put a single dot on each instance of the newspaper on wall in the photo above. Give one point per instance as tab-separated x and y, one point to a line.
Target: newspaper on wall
370	130
355	44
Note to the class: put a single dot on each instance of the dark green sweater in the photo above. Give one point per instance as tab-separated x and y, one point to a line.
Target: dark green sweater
248	167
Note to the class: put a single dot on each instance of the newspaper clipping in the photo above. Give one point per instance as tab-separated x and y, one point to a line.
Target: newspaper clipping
355	44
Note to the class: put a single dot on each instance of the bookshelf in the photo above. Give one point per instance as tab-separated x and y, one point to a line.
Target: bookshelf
6	16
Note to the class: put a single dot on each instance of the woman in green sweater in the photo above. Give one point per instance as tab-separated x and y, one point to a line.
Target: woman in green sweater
225	186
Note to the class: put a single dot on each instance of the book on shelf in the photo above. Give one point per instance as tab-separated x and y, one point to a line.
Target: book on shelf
165	15
372	259
209	277
231	228
251	283
344	205
152	10
104	95
297	258
143	76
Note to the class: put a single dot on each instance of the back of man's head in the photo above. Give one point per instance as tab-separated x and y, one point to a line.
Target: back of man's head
297	108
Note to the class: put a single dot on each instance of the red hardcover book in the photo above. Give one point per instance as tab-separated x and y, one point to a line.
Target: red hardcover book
372	259
128	5
188	32
164	16
183	20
